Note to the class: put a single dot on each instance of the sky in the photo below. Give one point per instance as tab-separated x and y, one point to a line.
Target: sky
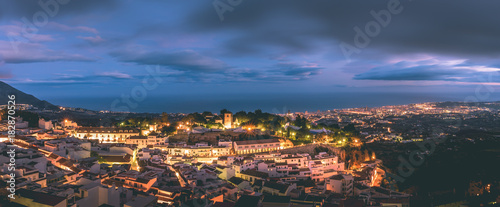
70	48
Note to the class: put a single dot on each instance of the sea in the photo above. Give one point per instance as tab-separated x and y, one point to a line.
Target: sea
273	103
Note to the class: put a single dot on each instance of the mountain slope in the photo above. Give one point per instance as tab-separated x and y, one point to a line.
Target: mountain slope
22	98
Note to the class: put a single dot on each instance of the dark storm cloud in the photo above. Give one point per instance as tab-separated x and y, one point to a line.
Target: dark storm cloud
450	26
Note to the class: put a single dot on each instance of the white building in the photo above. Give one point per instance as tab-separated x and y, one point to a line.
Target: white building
106	134
140	141
341	183
199	151
20	124
47	125
256	146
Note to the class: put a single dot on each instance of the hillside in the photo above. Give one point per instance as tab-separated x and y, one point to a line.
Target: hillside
22	98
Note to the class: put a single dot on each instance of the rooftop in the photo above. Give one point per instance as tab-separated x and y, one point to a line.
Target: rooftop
247	201
278	186
255	173
39	197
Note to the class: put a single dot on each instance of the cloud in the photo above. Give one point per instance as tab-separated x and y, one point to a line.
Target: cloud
186	60
52	82
297	71
280	72
91	77
451	27
66	28
96	39
16	31
431	72
35	52
447	71
115	75
196	67
61	79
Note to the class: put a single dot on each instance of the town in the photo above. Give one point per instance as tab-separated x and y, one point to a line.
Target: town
323	158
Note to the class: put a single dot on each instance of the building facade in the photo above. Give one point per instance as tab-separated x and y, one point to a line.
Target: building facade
256	146
106	134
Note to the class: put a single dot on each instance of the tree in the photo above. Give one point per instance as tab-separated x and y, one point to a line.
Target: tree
350	128
223	111
321	137
304	133
207	113
30	117
300	122
333	126
258	112
169	130
277	123
164	118
242	116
